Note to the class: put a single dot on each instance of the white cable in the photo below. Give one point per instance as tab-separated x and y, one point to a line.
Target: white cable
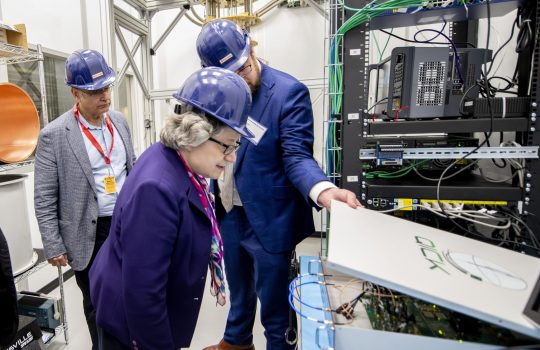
518	164
503	107
450	213
505	226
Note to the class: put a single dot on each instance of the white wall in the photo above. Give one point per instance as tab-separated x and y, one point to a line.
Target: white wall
54	24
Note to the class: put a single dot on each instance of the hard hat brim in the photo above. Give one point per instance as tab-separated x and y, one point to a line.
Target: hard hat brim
96	86
241	130
243	57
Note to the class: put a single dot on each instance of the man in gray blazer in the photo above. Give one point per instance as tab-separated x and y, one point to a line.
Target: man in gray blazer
81	163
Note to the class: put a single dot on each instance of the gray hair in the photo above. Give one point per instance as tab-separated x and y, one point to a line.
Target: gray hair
189	129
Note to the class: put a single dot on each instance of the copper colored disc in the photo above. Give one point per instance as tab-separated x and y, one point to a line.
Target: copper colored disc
19	124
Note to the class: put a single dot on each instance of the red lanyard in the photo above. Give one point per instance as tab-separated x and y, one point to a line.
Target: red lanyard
93	139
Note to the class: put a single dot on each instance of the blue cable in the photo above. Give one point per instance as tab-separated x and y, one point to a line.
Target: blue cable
293	289
456	56
293	307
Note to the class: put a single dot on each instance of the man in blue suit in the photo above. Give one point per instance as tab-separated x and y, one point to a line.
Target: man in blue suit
269	194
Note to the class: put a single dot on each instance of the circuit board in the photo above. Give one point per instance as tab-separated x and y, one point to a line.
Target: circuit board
403	314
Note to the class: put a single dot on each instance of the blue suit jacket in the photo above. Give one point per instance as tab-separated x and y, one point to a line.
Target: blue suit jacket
274	178
147	280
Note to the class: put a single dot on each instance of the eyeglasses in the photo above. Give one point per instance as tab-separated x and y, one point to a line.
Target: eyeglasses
228	148
106	89
244	71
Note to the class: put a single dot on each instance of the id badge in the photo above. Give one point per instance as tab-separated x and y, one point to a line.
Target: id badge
110	184
258	130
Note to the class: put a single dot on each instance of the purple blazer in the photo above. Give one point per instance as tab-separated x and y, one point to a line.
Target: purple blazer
147	280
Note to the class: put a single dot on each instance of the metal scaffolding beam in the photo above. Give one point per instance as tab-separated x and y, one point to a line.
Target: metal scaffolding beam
317	8
169	30
160	5
129	22
138	4
125	47
126	65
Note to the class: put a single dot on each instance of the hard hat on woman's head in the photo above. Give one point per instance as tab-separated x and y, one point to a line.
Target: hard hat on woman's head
87	70
220	94
222	43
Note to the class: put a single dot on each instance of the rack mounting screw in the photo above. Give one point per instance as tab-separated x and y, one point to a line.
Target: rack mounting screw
533	119
532	129
533	114
529	175
533	104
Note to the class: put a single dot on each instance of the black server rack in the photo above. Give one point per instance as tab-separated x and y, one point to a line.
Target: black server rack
356	127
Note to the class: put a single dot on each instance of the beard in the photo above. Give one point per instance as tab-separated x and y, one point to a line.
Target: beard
254	86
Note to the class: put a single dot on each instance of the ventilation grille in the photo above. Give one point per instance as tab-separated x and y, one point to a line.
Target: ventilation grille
431	78
470	79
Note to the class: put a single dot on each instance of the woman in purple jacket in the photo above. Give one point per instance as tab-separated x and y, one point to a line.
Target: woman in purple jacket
148	279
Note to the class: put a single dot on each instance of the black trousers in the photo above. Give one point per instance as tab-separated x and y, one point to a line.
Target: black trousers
108	342
102	231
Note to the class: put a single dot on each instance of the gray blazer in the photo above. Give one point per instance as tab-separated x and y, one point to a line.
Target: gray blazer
65	196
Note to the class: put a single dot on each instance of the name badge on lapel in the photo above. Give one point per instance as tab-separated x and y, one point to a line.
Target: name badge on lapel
258	130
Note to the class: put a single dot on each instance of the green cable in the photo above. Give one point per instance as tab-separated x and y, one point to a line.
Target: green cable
385	45
376	44
360	16
395	174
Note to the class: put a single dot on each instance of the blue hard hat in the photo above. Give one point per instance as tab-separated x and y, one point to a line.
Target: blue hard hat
87	70
221	94
222	43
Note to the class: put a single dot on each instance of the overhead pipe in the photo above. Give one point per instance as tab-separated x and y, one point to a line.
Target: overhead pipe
263	10
194	21
196	15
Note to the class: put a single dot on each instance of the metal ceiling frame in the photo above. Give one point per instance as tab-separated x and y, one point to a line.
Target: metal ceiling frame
141	27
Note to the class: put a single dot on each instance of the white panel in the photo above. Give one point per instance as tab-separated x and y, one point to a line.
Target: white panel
423	262
292	40
55	24
14	218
